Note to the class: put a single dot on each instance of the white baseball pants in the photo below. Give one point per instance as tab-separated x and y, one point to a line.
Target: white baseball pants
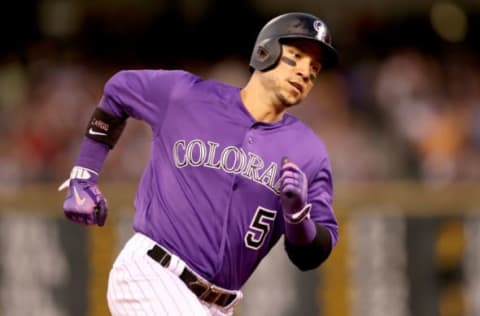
138	285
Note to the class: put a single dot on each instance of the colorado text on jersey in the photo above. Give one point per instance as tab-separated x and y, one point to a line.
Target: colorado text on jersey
232	159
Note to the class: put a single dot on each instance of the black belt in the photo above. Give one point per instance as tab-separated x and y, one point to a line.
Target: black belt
202	289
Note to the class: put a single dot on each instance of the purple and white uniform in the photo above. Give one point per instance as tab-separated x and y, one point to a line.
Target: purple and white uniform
209	194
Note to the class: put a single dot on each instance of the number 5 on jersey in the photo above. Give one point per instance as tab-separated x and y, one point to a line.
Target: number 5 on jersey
259	227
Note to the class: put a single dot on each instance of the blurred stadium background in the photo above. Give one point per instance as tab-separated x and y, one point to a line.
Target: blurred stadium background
401	119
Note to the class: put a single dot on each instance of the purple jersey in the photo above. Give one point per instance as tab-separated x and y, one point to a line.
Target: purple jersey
209	192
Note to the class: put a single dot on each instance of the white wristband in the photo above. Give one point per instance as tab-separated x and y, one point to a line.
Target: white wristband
82	173
77	173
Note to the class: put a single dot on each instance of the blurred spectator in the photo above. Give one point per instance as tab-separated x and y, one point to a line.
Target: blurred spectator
59	99
431	105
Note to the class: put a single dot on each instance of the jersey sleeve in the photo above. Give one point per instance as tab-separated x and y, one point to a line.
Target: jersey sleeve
143	94
320	195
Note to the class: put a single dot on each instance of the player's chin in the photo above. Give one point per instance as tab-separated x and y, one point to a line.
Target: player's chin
296	97
291	101
290	98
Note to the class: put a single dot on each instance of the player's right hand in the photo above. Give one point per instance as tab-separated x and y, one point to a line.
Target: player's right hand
84	202
293	192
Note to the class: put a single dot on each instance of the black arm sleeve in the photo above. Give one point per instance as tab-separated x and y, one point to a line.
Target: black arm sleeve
105	128
310	256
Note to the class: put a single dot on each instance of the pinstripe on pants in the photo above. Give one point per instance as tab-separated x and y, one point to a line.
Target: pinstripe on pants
138	285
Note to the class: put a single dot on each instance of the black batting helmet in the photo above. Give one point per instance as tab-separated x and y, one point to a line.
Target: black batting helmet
267	50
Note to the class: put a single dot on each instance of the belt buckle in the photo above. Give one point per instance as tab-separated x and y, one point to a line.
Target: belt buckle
216	291
208	289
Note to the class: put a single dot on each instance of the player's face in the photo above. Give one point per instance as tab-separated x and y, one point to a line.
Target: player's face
297	69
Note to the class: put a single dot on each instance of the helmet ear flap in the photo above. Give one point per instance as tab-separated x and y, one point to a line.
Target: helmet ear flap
266	55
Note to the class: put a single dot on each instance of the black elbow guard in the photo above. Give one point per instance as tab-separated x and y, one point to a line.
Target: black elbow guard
105	128
312	255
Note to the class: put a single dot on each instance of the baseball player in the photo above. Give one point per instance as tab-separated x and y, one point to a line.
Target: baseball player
230	172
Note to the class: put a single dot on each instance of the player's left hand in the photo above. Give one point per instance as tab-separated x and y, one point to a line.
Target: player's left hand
84	202
293	192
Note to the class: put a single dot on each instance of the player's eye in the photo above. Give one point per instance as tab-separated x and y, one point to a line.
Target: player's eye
297	55
293	53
